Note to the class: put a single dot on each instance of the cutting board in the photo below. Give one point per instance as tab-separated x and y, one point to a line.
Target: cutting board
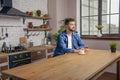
23	41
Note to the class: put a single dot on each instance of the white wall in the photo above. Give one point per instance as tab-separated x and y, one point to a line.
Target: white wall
62	11
78	15
100	44
72	8
31	5
52	11
59	10
15	24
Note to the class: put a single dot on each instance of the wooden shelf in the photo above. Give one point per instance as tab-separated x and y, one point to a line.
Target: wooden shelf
37	29
37	17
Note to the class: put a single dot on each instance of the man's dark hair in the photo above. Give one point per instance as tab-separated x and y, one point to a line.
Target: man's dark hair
67	20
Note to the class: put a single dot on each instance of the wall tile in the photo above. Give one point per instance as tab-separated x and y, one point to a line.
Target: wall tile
15	24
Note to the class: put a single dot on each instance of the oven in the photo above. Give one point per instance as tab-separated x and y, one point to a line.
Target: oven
19	59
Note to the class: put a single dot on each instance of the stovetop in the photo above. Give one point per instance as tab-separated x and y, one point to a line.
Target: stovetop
13	49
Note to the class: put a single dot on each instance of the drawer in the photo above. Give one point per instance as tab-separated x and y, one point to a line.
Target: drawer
3	59
4	68
20	56
4	77
50	50
38	55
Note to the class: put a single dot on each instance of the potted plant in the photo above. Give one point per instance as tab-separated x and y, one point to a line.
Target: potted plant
49	38
31	13
55	36
38	12
30	25
113	46
99	27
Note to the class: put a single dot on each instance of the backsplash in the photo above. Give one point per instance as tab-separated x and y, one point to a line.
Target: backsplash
14	33
14	24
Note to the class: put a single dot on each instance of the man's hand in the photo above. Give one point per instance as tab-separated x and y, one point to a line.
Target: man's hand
76	51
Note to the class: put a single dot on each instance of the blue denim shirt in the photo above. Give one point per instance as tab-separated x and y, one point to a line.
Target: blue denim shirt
62	43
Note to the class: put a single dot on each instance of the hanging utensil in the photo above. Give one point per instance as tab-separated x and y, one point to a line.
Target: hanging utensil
2	31
31	33
2	37
37	33
6	34
34	33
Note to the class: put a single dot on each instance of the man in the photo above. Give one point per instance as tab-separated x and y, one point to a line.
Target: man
69	40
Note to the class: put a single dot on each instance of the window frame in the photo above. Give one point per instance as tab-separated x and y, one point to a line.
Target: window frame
99	18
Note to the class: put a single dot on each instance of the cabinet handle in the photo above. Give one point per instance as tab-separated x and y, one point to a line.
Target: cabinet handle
21	60
39	52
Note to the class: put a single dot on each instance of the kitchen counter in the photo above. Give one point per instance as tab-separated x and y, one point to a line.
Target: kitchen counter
36	48
32	49
7	54
2	54
68	67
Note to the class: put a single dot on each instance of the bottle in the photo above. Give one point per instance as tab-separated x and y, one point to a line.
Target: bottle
31	43
3	46
45	41
10	48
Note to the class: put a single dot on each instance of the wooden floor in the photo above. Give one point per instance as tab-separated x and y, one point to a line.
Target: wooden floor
107	76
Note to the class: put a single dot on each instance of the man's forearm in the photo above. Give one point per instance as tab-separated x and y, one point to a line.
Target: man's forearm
76	51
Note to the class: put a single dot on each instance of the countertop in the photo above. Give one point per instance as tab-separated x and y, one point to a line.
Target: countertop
32	49
36	48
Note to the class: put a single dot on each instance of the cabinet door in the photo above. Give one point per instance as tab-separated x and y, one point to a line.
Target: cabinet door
3	68
3	59
50	50
38	55
3	77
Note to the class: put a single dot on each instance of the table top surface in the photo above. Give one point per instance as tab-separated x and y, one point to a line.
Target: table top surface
66	67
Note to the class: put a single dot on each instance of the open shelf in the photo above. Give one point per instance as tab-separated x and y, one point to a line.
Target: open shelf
38	17
37	29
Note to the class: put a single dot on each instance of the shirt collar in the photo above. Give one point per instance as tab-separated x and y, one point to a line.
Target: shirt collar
65	33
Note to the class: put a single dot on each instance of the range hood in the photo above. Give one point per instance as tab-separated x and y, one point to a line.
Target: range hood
7	9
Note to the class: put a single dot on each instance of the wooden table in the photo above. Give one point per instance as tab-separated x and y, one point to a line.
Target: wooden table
68	67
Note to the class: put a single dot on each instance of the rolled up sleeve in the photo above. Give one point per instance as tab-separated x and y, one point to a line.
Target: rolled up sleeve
80	42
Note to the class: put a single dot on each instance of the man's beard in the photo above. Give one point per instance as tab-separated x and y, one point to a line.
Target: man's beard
72	30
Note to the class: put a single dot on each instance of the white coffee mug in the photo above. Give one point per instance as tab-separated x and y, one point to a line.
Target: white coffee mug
82	51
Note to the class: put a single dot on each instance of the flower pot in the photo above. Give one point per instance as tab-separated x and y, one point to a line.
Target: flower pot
99	34
49	42
31	13
113	50
38	12
30	25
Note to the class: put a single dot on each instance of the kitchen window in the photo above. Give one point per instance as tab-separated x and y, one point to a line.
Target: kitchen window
100	12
